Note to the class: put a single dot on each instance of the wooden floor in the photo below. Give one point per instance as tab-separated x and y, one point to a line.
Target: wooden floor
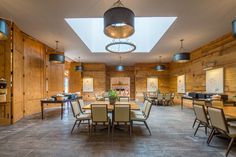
171	129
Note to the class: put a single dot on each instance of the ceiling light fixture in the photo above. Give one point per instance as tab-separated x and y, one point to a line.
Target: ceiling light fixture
120	47
3	30
55	57
119	21
234	28
182	56
120	67
79	68
160	67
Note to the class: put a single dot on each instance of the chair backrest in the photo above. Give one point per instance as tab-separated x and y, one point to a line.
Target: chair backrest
198	102
173	95
147	109
217	103
200	113
81	102
122	113
76	109
217	119
106	99
124	99
99	113
168	96
160	96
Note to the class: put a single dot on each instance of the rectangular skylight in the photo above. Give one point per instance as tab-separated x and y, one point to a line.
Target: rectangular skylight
148	31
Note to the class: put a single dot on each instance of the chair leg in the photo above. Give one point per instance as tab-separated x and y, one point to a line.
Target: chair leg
113	129
206	130
109	126
89	125
229	147
195	120
211	136
147	127
208	139
130	129
197	129
73	127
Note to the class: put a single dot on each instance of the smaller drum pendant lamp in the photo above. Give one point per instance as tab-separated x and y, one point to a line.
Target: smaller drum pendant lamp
234	28
119	21
120	67
160	67
55	57
3	30
182	56
79	68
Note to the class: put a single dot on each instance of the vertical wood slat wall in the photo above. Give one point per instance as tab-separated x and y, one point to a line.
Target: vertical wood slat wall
31	68
5	72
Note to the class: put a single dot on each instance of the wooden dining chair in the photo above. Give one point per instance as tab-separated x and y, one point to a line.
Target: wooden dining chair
201	117
121	116
143	117
99	116
219	124
124	99
79	115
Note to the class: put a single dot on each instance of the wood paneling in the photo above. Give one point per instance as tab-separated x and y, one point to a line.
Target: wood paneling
34	54
18	72
129	72
55	76
223	51
98	73
75	78
142	72
5	72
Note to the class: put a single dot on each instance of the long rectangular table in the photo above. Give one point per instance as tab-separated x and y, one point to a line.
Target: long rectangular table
133	105
193	100
50	101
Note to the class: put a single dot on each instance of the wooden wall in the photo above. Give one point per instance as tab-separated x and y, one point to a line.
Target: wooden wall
144	71
223	51
5	72
129	72
29	69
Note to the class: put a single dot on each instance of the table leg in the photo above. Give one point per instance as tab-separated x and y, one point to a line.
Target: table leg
62	107
181	103
42	109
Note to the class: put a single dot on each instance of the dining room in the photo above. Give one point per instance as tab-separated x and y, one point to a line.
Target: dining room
117	78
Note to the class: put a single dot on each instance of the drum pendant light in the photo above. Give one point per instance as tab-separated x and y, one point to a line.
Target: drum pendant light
3	30
79	68
119	21
234	28
160	67
120	67
55	57
181	57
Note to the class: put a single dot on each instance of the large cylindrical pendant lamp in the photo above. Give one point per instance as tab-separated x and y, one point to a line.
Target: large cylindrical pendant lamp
3	30
234	28
57	58
160	68
119	21
120	68
79	68
181	57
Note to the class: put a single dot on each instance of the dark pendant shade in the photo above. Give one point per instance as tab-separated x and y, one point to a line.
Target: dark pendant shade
181	57
119	22
57	58
160	68
79	68
3	30
120	68
234	28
